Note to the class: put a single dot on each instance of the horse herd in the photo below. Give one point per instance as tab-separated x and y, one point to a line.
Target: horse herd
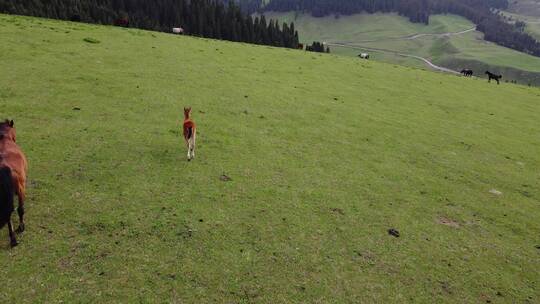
13	170
469	73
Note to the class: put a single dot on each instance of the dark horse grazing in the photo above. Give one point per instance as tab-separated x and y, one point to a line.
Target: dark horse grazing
493	76
467	72
13	168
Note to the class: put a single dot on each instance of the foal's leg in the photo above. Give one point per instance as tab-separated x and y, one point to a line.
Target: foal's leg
193	146
12	238
188	150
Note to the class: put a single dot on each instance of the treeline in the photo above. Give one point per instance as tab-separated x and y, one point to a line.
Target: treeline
318	47
415	10
206	18
480	12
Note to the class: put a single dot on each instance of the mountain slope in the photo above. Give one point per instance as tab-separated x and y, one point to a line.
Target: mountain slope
529	8
532	22
393	33
326	153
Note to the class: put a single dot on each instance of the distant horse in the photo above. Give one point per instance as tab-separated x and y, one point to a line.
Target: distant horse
123	22
190	133
13	169
467	72
300	46
493	76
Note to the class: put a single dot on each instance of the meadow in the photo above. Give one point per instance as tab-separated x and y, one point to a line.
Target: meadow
304	162
390	32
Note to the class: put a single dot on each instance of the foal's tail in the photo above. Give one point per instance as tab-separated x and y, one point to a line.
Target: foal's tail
6	195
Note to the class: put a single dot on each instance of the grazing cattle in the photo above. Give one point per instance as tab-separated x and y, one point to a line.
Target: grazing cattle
123	22
178	30
300	46
493	76
13	169
364	56
190	133
467	72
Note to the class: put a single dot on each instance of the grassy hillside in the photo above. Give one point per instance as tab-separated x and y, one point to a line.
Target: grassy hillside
364	27
325	152
534	29
391	32
525	7
373	30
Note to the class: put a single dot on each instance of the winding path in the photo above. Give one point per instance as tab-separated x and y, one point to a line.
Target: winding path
439	35
363	48
415	36
409	37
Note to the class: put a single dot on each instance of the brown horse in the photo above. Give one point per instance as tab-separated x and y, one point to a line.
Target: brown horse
13	169
190	133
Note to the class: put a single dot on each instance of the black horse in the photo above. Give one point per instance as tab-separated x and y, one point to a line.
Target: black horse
467	72
493	76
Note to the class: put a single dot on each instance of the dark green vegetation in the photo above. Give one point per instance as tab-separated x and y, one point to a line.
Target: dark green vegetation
206	18
326	153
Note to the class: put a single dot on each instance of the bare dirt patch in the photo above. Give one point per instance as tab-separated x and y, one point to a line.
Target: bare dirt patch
338	210
448	222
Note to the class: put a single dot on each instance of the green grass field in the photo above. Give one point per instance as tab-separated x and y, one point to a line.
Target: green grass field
326	153
380	31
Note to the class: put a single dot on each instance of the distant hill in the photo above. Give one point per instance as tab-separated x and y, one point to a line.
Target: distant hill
529	8
449	41
479	12
526	11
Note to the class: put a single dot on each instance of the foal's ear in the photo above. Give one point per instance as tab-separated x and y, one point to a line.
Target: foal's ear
11	123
